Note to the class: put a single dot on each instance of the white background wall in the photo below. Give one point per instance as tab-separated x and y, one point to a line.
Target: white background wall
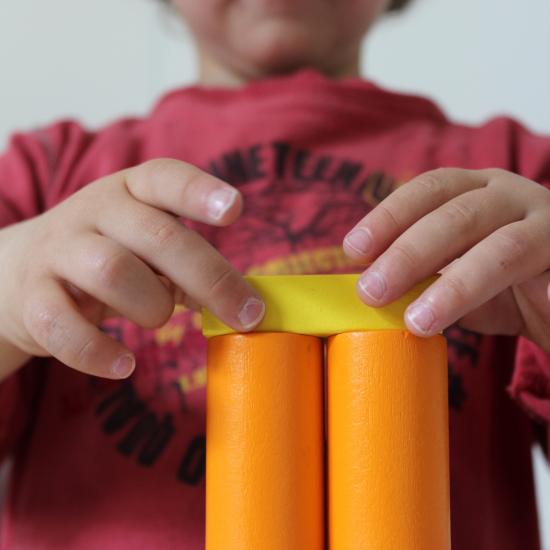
101	59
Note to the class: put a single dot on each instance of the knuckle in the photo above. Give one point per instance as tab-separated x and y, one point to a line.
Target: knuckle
62	218
542	236
388	218
157	167
164	233
456	289
44	323
190	180
159	315
500	180
511	249
406	254
430	182
495	173
143	175
431	185
544	200
460	212
85	352
110	267
223	280
190	186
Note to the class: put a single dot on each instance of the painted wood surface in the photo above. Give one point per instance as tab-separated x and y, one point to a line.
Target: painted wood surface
388	442
264	467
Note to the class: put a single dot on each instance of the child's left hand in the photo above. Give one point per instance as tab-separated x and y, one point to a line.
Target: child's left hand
498	226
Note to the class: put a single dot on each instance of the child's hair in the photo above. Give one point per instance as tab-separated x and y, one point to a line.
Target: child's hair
395	5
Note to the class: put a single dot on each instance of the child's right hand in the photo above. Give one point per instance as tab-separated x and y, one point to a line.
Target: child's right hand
116	248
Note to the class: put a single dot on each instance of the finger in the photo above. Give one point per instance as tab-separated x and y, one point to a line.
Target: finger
179	296
533	299
500	315
89	307
407	204
184	190
508	256
186	259
52	320
435	240
113	275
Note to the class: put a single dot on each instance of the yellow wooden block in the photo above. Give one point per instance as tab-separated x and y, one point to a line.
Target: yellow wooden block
318	305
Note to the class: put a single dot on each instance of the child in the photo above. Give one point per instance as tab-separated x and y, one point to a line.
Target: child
278	156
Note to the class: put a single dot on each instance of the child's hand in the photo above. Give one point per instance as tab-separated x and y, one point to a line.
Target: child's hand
116	248
495	222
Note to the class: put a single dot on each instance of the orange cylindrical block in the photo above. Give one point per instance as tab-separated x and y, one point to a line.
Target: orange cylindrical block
388	442
264	458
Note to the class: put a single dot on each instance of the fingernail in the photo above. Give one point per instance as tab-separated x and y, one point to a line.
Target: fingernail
220	201
124	366
373	285
421	317
251	313
359	240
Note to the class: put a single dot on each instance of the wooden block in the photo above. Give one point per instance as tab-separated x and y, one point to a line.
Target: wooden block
388	442
264	465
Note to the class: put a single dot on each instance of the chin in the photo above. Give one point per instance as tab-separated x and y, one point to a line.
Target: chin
280	47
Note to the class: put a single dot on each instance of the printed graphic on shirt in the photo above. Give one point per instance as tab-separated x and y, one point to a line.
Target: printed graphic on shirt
463	350
301	204
299	167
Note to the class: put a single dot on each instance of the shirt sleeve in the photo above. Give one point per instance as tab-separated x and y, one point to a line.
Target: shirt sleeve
530	384
27	170
22	169
38	169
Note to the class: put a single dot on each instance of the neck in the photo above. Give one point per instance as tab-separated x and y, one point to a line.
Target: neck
214	73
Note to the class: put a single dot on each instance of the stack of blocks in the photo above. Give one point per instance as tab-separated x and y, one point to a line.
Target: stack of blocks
327	427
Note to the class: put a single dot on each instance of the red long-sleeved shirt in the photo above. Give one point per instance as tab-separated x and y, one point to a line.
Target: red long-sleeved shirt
108	464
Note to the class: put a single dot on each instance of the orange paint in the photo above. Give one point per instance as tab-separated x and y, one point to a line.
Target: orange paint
388	442
264	465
